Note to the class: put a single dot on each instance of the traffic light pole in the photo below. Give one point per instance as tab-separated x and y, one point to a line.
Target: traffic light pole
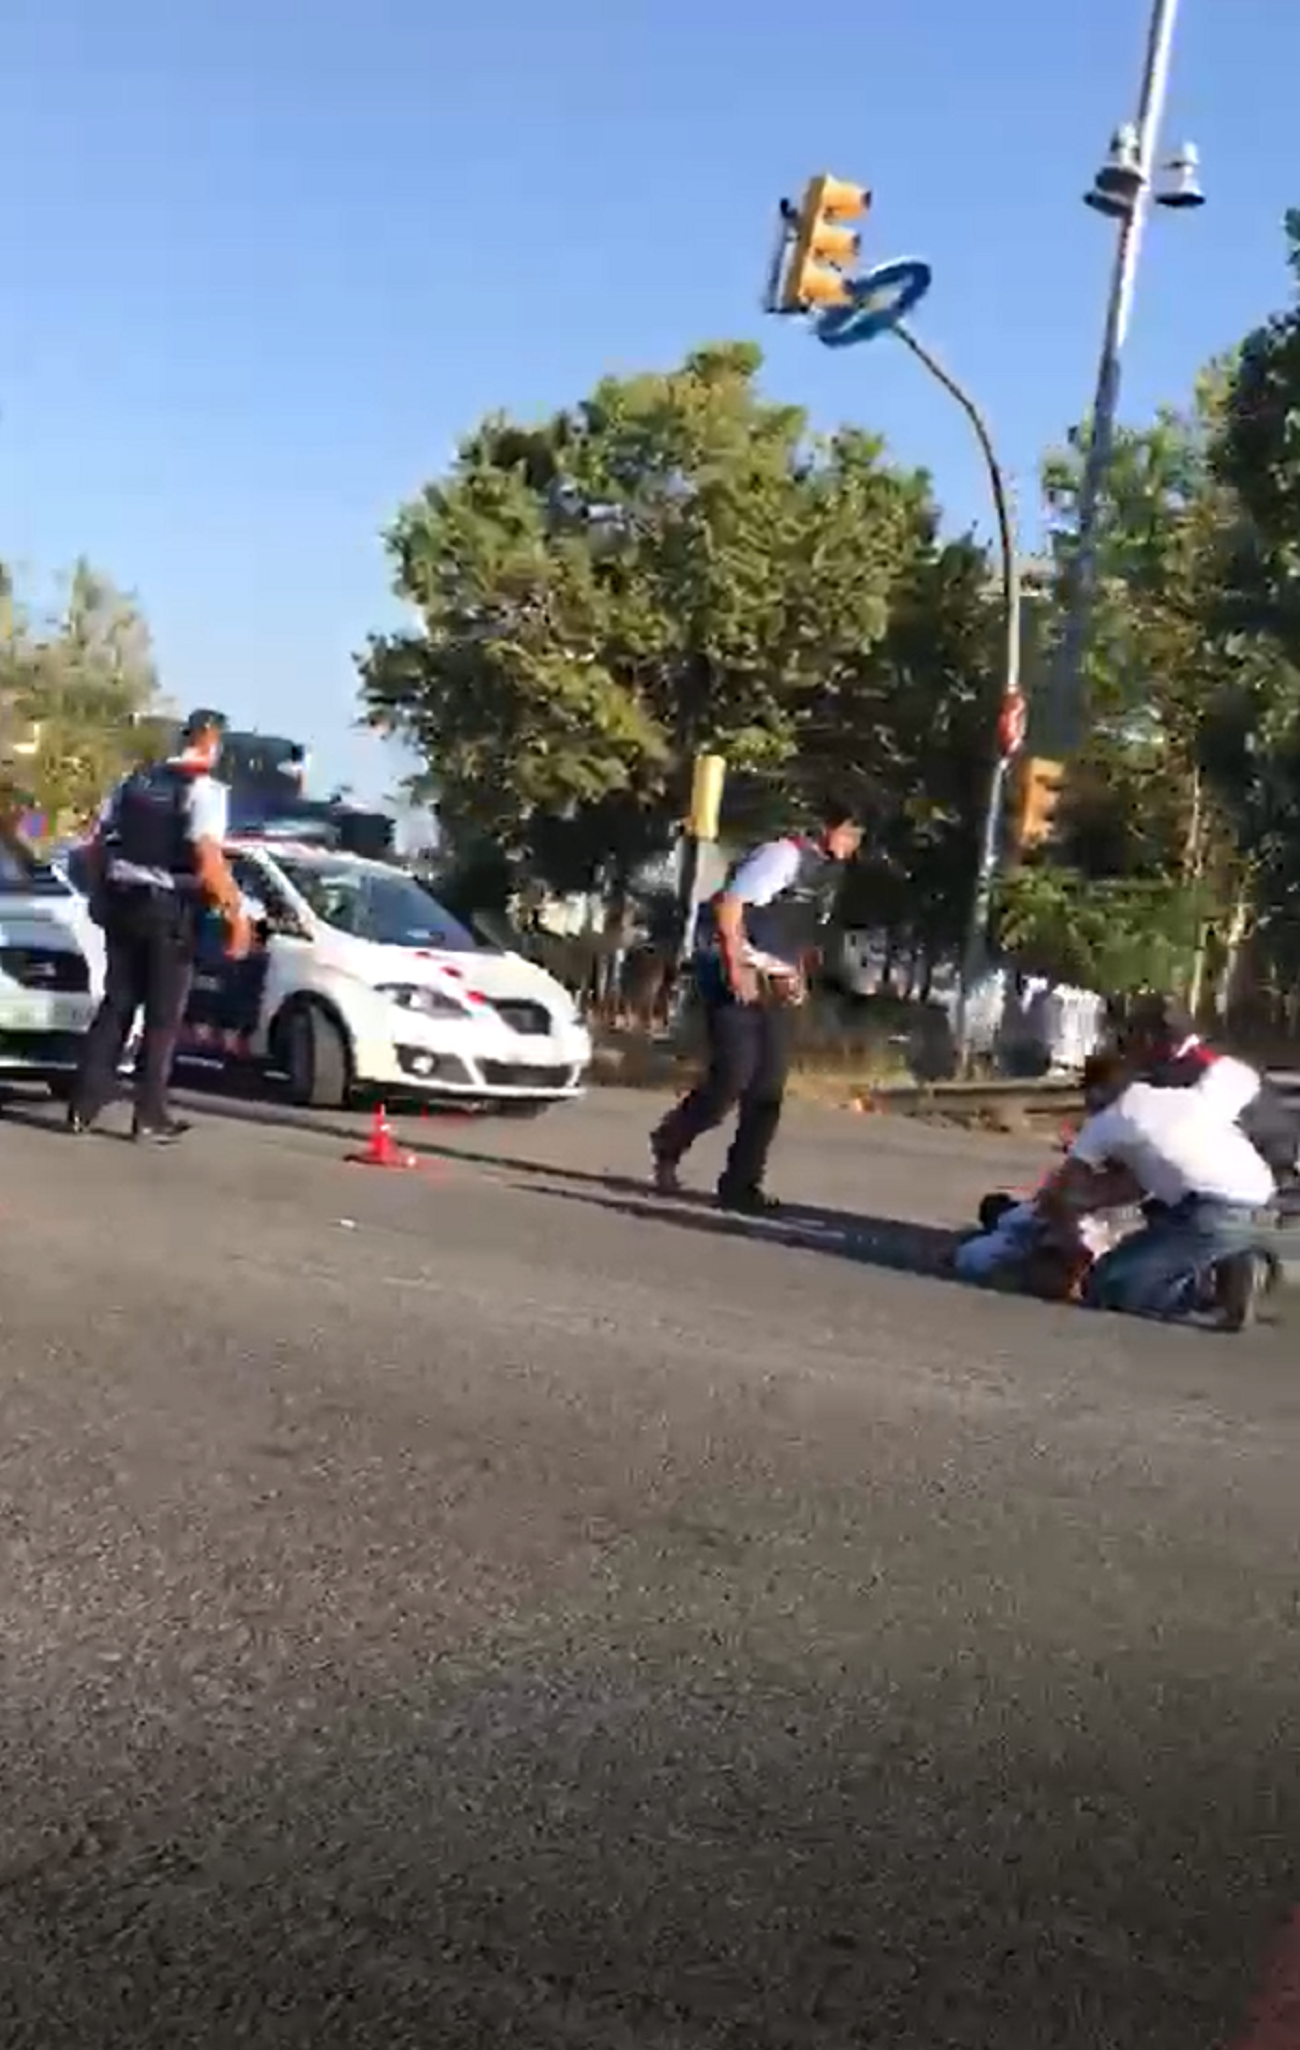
809	270
1082	580
976	944
787	218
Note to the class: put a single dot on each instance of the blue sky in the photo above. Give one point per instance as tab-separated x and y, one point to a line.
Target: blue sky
264	263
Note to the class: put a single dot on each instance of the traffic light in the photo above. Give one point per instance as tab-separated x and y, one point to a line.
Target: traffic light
1041	783
822	246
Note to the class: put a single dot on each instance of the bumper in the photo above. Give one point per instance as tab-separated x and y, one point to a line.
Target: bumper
39	1053
42	1034
541	1070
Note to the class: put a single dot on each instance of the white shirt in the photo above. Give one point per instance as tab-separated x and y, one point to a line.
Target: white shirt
759	880
1178	1143
1229	1084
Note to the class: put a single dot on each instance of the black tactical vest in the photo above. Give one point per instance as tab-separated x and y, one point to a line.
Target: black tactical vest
151	824
790	926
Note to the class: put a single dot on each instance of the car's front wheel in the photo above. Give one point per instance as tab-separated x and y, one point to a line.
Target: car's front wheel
313	1051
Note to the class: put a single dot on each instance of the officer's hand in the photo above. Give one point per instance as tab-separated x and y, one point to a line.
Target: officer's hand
239	937
744	983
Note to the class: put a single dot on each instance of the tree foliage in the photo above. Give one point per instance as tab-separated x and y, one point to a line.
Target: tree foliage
1173	813
77	686
676	563
673	565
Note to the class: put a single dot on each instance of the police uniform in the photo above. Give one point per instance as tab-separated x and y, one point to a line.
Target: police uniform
149	905
786	887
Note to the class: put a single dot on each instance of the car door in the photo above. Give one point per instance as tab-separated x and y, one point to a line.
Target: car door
223	1016
280	961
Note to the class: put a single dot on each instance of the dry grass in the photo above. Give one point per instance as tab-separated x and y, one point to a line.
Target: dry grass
831	1065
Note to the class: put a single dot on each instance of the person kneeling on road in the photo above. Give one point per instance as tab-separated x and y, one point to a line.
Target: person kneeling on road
1022	1245
1159	1038
1207	1189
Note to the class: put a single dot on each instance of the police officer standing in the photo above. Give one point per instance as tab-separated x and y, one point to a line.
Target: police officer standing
156	860
753	942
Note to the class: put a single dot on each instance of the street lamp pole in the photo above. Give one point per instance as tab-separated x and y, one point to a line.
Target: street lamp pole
1008	740
1124	191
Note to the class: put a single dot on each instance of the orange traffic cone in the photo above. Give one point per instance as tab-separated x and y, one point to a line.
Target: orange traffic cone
382	1149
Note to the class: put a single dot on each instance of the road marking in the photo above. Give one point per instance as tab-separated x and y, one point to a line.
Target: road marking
1275	2017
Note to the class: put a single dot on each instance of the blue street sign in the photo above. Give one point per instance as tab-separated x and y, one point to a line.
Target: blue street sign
881	299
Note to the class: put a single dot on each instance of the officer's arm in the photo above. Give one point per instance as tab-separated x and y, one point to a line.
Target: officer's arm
729	912
208	820
767	871
1093	1175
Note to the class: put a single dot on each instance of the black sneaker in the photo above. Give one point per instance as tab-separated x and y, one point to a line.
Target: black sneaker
748	1202
1240	1285
165	1134
663	1173
77	1126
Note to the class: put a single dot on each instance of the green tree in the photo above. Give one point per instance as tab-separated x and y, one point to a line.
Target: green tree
674	564
1187	700
920	729
1258	457
75	687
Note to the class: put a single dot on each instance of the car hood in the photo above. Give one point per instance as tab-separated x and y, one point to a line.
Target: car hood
495	976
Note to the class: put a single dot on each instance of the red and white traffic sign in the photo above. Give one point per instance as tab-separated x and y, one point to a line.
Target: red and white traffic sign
1013	720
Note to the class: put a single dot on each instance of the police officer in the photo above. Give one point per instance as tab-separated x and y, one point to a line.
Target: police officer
155	861
752	945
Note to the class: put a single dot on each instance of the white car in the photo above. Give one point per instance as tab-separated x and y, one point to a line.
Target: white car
366	982
51	972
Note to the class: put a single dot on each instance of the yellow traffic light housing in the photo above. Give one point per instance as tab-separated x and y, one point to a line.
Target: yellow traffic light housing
822	246
708	777
1041	784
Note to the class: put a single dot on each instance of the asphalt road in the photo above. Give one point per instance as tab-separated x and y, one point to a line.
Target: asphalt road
480	1606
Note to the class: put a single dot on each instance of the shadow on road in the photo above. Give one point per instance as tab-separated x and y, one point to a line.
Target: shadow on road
893	1242
237	1103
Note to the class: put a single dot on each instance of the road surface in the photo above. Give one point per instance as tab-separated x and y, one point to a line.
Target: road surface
480	1606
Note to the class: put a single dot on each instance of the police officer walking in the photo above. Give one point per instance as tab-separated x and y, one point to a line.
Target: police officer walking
753	942
156	860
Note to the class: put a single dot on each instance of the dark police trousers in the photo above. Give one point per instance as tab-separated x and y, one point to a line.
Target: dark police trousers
749	1062
150	938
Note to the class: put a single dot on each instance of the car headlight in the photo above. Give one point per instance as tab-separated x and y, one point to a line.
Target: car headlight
431	1003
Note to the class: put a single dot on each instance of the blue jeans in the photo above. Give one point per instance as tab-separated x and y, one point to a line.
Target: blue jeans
1155	1272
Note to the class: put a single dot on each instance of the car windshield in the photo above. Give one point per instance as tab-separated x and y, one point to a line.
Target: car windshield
22	878
382	905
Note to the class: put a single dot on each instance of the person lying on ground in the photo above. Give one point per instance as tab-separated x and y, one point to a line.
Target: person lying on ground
1023	1246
